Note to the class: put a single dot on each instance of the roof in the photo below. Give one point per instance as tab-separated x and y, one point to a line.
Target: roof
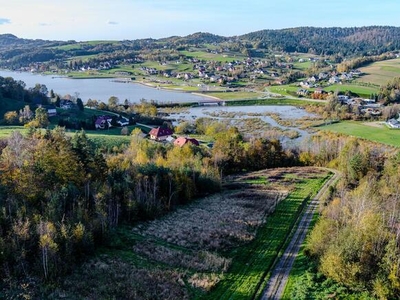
180	141
157	132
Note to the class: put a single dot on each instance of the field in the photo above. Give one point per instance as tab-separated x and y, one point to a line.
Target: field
381	134
211	56
362	91
380	72
106	140
219	247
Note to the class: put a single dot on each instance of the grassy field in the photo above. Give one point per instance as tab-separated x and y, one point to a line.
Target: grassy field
380	72
219	247
106	140
380	134
212	56
294	102
362	91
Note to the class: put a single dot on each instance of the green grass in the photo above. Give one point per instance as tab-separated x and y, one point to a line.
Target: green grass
300	265
5	131
211	56
293	102
252	262
383	135
380	72
284	89
362	91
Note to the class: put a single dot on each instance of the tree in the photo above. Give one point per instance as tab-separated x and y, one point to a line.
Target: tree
41	119
79	103
25	115
113	101
11	117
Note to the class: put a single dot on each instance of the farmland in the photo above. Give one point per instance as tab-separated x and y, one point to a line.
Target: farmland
219	247
376	133
380	72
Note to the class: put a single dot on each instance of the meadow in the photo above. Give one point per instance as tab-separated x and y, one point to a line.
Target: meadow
380	72
369	131
218	247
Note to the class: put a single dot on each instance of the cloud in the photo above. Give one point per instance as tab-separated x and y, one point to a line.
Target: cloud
112	23
44	24
4	21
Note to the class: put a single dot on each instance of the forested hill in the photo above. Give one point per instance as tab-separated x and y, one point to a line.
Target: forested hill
369	40
346	42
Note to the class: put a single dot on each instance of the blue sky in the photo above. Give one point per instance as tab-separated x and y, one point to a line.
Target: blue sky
133	19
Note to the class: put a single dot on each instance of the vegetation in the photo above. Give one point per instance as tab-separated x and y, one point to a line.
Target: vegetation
369	131
115	215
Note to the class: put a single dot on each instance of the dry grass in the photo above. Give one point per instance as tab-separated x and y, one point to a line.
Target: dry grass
112	278
217	223
185	253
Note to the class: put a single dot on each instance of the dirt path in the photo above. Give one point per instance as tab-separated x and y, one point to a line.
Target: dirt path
280	273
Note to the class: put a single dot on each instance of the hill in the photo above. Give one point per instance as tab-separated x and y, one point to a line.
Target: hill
350	41
345	42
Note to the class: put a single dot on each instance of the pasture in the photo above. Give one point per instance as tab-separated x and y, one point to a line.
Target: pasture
371	131
212	56
380	72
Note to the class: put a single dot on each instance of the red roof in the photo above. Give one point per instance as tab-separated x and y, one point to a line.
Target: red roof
158	132
180	141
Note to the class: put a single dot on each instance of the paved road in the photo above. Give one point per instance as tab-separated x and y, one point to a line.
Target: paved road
280	273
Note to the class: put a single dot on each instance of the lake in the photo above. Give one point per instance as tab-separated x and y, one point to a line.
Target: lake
101	89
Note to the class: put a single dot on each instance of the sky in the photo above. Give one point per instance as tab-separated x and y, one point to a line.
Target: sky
84	20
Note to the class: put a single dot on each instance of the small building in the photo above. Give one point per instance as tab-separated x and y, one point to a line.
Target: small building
181	141
160	133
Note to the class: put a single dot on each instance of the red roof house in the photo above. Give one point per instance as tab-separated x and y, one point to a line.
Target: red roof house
181	141
160	134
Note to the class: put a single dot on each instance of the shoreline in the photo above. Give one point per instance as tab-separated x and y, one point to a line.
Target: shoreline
175	90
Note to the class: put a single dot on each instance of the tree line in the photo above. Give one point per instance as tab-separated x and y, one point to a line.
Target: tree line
60	198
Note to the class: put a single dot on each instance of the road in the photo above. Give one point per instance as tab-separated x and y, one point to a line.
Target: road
280	274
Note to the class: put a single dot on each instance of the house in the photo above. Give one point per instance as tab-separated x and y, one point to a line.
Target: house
181	141
302	92
122	121
160	134
66	104
333	80
103	122
51	112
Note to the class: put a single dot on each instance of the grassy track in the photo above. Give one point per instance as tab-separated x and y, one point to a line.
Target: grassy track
381	134
252	262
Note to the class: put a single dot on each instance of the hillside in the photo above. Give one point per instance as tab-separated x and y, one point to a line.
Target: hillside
351	41
345	42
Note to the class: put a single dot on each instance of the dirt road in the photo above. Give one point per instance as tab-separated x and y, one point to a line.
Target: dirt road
279	276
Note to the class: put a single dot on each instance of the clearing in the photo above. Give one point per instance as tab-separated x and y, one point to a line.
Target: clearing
219	247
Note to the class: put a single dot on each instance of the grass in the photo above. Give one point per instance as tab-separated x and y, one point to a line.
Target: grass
272	101
106	140
380	72
252	262
300	265
212	56
362	91
5	131
383	134
219	247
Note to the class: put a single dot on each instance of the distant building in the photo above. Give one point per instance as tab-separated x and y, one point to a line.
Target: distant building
181	141
160	134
